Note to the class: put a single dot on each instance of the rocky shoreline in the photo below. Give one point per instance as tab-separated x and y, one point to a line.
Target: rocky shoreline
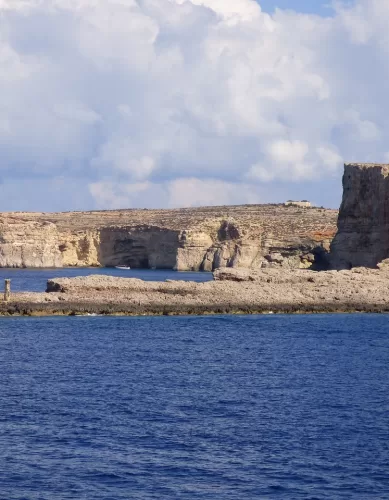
265	258
233	291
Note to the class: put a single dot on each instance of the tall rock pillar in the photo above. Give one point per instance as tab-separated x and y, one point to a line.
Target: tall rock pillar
363	225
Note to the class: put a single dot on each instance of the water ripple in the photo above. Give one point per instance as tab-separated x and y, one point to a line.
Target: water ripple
194	408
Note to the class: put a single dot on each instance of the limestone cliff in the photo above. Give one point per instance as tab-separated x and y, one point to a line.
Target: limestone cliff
28	243
80	248
206	238
363	226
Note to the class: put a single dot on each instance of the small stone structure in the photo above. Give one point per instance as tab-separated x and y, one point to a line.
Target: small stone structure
7	290
301	204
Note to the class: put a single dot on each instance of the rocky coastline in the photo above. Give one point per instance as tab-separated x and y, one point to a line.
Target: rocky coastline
188	239
233	291
265	258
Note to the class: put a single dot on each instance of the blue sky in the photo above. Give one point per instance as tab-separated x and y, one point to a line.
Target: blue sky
169	103
320	7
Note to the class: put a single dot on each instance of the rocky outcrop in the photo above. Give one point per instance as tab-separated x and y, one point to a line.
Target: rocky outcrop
236	286
252	236
233	290
363	226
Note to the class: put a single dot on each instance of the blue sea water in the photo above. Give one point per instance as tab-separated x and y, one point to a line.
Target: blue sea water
240	407
34	280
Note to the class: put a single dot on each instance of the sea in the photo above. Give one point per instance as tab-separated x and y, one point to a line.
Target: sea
216	407
35	280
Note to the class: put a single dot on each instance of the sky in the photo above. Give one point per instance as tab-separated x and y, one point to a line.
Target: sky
320	7
171	103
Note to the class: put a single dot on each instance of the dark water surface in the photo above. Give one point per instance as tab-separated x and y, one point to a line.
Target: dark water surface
34	280
291	407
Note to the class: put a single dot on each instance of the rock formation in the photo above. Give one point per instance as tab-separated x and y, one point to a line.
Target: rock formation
232	291
363	226
28	243
251	236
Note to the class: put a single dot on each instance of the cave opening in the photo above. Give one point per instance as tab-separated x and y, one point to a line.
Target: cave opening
138	249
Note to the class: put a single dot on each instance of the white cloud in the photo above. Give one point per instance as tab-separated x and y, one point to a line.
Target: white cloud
331	159
365	21
74	111
364	130
188	101
112	195
292	152
232	11
259	172
194	192
185	192
120	157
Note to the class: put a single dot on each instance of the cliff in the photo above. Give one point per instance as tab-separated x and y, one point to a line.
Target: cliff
363	225
206	238
28	243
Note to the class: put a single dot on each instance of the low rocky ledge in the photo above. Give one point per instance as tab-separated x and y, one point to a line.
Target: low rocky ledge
233	291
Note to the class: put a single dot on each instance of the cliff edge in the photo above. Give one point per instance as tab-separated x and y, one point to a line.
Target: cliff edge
205	238
363	224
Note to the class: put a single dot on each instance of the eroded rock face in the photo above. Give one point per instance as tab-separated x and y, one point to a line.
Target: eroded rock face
207	238
81	248
28	244
363	226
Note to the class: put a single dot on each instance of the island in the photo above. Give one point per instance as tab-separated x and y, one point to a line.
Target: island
265	259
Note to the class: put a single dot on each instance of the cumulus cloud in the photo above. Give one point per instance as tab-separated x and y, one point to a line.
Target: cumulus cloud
186	102
177	193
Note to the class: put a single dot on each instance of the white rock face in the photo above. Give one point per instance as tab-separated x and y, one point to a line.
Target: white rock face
205	238
80	249
29	244
192	251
